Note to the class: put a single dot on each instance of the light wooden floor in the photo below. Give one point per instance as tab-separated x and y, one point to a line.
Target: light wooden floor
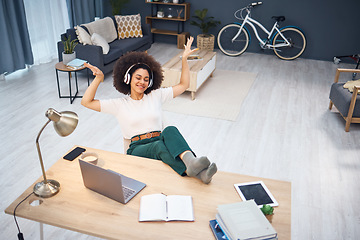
284	131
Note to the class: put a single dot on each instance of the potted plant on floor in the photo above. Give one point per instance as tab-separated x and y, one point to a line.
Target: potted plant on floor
204	40
268	211
69	54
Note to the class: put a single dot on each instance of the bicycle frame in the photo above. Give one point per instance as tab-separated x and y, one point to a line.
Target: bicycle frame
251	22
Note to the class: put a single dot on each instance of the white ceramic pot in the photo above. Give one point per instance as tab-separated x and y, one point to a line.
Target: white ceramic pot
68	57
160	14
175	1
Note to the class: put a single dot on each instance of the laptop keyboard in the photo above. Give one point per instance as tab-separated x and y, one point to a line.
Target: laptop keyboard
127	192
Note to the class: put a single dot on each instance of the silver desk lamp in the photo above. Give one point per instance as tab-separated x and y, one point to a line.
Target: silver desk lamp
64	124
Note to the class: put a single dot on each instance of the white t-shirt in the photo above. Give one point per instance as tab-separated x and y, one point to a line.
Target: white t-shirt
138	116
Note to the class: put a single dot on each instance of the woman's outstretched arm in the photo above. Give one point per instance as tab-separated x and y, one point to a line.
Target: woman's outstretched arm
185	71
89	95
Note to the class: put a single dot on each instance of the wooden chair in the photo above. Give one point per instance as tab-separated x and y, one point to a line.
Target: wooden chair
346	102
126	144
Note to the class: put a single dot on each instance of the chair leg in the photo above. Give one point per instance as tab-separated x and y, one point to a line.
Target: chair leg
347	125
330	105
351	108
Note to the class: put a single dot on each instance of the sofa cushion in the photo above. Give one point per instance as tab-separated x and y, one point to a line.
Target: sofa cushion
120	47
113	55
83	36
129	26
130	44
104	27
98	40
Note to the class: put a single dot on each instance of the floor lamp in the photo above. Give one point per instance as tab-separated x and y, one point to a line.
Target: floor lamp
64	124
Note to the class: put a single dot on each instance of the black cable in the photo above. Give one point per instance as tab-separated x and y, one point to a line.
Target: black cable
20	235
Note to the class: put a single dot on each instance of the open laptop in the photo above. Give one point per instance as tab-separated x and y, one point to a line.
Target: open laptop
109	183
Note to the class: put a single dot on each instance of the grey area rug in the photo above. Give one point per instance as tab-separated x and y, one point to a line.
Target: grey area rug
219	97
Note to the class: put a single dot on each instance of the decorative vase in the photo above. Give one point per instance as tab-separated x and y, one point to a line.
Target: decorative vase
205	41
176	1
68	57
170	13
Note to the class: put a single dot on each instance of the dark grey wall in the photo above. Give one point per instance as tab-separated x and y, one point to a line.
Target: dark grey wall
331	26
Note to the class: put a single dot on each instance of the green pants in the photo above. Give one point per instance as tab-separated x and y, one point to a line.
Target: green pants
167	148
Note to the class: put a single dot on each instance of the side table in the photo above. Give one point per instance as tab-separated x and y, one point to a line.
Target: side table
60	66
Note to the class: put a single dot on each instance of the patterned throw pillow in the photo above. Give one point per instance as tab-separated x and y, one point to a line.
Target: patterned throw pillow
129	26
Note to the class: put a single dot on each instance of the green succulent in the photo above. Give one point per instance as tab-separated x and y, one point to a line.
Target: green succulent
267	209
69	45
204	22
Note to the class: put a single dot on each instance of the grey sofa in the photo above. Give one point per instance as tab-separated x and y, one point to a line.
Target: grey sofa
94	54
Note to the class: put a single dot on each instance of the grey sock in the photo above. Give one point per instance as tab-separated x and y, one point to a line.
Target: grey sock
206	175
194	165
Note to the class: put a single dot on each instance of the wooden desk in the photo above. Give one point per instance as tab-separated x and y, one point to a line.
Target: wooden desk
80	209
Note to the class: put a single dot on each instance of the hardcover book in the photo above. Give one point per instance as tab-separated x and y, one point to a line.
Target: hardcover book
244	220
76	63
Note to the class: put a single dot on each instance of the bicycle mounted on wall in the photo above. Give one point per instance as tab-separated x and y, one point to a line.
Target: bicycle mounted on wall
233	39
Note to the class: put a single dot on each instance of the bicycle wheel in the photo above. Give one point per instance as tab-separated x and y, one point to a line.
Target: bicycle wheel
229	46
297	43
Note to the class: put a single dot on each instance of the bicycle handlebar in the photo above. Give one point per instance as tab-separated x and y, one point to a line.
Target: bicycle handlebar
255	4
247	8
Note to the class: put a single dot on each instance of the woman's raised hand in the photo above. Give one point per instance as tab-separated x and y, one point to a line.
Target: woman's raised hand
187	51
95	70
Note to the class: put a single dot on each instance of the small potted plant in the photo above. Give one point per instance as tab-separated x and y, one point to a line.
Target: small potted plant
69	46
268	211
160	13
204	40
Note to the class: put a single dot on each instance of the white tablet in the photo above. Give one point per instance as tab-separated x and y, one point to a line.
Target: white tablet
257	191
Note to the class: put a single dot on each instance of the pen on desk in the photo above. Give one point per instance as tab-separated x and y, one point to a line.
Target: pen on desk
163	194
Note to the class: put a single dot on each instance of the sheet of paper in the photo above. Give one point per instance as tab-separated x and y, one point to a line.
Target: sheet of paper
153	208
180	208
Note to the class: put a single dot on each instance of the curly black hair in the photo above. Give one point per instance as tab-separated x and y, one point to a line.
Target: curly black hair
129	59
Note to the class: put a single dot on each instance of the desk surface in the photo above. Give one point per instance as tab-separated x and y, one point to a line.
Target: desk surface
80	209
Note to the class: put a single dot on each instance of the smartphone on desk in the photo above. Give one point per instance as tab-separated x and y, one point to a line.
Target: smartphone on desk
74	153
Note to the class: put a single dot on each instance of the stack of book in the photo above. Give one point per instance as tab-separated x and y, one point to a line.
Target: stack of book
241	221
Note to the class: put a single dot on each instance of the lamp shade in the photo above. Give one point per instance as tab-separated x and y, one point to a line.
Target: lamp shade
64	122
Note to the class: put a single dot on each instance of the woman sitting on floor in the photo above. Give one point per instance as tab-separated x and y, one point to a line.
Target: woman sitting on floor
139	76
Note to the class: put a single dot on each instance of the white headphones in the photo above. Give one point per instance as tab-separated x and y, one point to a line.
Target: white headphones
127	77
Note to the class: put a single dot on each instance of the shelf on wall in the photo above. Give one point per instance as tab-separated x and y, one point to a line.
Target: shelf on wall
166	18
165	32
181	35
